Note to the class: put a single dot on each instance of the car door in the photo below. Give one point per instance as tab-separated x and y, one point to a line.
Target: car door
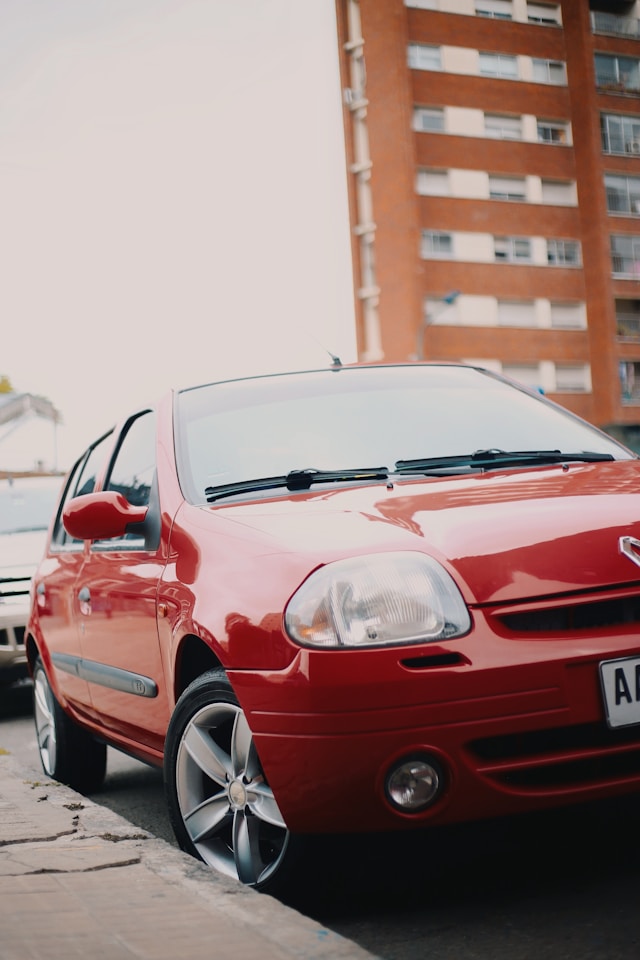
115	594
55	581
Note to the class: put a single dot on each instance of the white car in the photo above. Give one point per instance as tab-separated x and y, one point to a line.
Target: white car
26	506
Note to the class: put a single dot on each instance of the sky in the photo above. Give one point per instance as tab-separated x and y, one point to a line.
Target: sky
173	205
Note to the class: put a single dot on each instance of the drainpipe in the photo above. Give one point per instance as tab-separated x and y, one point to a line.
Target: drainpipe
355	99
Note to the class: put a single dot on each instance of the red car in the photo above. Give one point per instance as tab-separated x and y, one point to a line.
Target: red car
356	599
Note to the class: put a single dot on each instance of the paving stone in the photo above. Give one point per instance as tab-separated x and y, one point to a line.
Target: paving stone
78	881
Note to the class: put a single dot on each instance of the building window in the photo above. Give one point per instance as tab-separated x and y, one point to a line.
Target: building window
629	381
572	378
501	127
618	74
436	244
549	71
516	313
628	319
422	57
507	188
512	249
623	194
552	131
527	374
625	256
432	183
499	65
567	316
563	253
544	13
620	134
561	193
615	24
498	9
428	120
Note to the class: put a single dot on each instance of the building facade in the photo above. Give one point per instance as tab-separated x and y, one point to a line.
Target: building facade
493	149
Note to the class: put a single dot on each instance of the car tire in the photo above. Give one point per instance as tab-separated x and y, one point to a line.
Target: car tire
67	752
221	808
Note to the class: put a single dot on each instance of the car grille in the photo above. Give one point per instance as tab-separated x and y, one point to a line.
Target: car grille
12	637
578	615
14	587
559	758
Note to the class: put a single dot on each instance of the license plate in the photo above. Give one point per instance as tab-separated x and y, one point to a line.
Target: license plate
621	690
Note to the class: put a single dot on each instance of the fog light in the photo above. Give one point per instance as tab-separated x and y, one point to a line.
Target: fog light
413	784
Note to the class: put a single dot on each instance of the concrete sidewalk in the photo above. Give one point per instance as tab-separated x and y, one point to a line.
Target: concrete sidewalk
77	880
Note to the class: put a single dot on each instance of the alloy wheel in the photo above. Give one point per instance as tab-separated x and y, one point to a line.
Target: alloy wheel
45	721
228	809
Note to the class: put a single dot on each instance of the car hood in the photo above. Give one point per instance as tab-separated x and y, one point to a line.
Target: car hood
504	536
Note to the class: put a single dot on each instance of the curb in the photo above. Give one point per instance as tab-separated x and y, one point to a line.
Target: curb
73	872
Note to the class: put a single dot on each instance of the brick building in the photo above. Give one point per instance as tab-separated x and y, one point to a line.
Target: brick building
493	149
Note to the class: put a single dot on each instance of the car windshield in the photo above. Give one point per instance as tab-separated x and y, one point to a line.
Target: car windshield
27	503
364	418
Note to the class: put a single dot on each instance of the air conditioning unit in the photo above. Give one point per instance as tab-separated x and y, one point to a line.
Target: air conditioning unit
633	146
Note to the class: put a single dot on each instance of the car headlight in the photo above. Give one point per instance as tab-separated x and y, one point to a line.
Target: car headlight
376	600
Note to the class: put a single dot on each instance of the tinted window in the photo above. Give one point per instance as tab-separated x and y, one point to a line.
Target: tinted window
83	479
133	469
92	467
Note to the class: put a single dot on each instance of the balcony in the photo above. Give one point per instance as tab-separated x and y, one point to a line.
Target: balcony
615	25
617	74
628	326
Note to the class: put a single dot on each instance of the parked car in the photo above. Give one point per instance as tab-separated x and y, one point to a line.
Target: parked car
26	507
364	598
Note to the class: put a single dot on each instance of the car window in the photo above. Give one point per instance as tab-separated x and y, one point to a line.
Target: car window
92	467
134	466
363	418
132	473
83	479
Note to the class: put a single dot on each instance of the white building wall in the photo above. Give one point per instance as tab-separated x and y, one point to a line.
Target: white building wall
474	247
464	122
461	60
472	184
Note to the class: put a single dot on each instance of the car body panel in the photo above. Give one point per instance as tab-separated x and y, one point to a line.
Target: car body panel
513	709
509	517
55	606
118	616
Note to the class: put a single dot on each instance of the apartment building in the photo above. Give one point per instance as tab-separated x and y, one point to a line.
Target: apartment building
493	150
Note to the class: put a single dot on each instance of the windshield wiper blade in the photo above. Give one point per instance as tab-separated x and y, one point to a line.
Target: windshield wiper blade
487	459
295	480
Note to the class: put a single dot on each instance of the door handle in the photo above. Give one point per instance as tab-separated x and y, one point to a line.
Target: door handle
84	596
41	595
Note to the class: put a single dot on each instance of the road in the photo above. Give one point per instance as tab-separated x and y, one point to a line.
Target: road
563	886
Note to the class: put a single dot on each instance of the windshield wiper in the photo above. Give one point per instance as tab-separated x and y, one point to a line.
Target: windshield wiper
295	480
491	459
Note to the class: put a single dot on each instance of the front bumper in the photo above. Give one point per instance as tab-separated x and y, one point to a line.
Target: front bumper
516	724
13	620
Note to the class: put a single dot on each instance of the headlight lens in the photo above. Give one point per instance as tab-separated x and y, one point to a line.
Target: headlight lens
377	600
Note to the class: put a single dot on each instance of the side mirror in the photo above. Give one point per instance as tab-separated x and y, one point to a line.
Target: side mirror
100	516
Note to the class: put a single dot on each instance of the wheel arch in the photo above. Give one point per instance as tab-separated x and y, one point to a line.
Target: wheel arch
32	651
194	658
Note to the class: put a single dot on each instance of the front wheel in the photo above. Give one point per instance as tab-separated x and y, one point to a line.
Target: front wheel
67	752
220	805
